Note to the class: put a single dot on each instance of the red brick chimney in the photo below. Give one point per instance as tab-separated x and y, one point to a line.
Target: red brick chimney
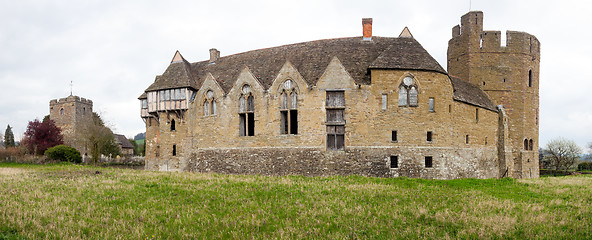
367	24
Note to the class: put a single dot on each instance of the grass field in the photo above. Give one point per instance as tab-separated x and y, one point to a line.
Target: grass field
82	202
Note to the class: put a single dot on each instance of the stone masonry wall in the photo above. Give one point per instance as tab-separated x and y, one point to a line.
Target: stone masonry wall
509	74
212	143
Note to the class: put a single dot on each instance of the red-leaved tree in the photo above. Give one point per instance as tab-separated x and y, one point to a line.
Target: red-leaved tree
42	135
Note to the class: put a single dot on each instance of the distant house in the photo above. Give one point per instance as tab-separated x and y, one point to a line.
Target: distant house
125	146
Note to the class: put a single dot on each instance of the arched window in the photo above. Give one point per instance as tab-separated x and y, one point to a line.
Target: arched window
83	110
210	104
530	143
408	93
62	111
525	144
402	96
246	112
206	108
173	125
288	108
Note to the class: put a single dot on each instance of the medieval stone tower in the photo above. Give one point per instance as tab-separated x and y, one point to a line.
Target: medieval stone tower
509	73
70	114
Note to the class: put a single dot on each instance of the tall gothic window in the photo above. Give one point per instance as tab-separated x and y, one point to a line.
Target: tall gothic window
289	108
335	107
210	104
408	93
246	112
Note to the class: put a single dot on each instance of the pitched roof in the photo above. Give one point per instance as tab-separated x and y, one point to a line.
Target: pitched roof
179	74
310	58
471	94
407	54
122	140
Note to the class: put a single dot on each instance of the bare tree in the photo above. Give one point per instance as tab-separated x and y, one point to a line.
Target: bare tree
562	154
99	139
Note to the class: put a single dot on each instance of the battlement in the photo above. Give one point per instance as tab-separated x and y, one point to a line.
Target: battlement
470	36
70	99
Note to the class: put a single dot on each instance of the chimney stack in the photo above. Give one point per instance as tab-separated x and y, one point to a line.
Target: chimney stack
214	55
367	24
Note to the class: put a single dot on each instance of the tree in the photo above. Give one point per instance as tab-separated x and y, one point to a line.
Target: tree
42	135
99	139
8	137
562	154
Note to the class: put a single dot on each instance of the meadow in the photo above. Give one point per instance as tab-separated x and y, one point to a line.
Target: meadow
64	201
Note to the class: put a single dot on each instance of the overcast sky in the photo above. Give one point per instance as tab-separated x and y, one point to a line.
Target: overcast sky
112	50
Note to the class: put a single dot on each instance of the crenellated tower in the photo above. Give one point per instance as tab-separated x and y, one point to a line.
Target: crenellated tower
70	114
508	71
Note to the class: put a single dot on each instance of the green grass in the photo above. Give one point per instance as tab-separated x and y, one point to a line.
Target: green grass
73	201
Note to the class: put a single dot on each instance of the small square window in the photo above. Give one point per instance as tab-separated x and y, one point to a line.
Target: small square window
428	162
394	136
429	136
394	161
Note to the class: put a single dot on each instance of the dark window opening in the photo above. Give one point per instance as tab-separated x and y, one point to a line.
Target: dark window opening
394	161
289	112
530	143
293	121
428	162
246	124
467	139
529	78
429	136
173	125
525	144
449	108
174	150
251	124
394	136
476	115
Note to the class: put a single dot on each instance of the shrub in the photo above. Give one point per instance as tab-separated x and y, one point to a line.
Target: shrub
585	166
64	153
12	154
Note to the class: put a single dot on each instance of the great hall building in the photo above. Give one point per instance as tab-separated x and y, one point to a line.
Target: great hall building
372	106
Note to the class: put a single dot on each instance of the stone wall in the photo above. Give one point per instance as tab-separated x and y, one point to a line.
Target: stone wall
509	74
448	163
211	142
70	114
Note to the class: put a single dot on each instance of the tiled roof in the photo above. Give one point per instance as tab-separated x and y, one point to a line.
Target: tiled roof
311	59
177	75
471	94
123	141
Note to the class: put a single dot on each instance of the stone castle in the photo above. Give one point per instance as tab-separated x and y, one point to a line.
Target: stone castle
70	114
372	106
